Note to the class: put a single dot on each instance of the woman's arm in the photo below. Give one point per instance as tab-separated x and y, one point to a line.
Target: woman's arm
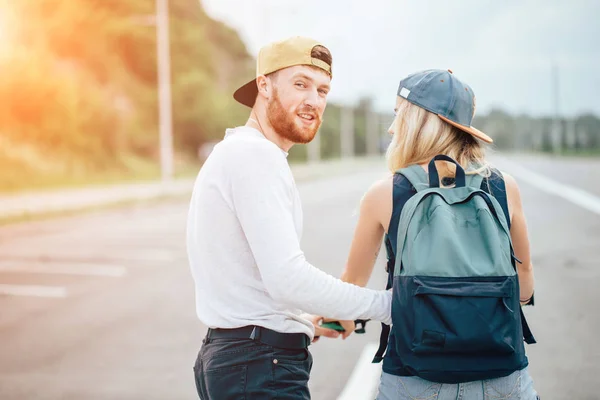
375	208
375	211
520	238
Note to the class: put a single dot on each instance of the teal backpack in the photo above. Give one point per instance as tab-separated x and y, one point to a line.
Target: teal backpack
456	311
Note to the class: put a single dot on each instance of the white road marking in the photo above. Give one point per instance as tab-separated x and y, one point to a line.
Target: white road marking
63	269
574	195
34	291
364	380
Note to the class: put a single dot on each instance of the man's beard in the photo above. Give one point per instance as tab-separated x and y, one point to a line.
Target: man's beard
284	123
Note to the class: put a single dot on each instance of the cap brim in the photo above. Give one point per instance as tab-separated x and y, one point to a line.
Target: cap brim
247	94
469	129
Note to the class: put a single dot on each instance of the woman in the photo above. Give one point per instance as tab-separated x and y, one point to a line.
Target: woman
433	112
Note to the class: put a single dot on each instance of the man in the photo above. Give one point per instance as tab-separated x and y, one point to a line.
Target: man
245	222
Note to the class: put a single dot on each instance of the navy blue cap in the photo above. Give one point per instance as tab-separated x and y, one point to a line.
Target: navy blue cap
442	93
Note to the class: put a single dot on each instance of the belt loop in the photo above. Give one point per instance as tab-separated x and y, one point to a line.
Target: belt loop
208	336
255	335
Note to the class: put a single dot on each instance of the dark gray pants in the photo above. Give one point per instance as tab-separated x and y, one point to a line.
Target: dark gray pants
236	369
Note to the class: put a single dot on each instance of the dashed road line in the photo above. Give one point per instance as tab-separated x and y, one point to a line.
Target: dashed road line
33	291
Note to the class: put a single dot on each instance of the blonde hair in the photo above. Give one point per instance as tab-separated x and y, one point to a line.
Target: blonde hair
420	135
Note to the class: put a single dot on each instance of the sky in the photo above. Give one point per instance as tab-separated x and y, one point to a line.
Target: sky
525	57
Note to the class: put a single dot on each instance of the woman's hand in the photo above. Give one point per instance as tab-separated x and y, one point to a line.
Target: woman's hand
349	327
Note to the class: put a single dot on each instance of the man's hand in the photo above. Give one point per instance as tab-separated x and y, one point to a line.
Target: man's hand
320	331
349	327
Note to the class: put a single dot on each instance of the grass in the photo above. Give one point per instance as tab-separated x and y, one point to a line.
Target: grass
141	169
565	153
580	153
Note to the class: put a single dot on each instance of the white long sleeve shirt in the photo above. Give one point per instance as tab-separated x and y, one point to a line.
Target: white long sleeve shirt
243	242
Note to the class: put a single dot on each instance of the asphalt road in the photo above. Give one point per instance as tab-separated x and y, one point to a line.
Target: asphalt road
105	308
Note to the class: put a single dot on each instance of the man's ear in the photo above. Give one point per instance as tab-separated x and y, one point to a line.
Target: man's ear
264	85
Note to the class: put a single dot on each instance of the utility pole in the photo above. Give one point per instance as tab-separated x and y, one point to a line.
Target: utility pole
164	90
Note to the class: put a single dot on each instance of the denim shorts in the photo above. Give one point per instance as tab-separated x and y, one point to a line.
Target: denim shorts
517	386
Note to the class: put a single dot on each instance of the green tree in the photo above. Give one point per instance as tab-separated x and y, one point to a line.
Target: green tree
80	88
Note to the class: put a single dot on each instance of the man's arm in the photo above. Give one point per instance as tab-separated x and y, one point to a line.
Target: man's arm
264	205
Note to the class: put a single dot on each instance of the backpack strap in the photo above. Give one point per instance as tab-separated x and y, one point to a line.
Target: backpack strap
496	186
474	180
417	177
419	180
383	342
385	329
527	334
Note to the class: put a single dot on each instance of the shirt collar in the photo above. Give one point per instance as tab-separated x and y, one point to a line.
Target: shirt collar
248	130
